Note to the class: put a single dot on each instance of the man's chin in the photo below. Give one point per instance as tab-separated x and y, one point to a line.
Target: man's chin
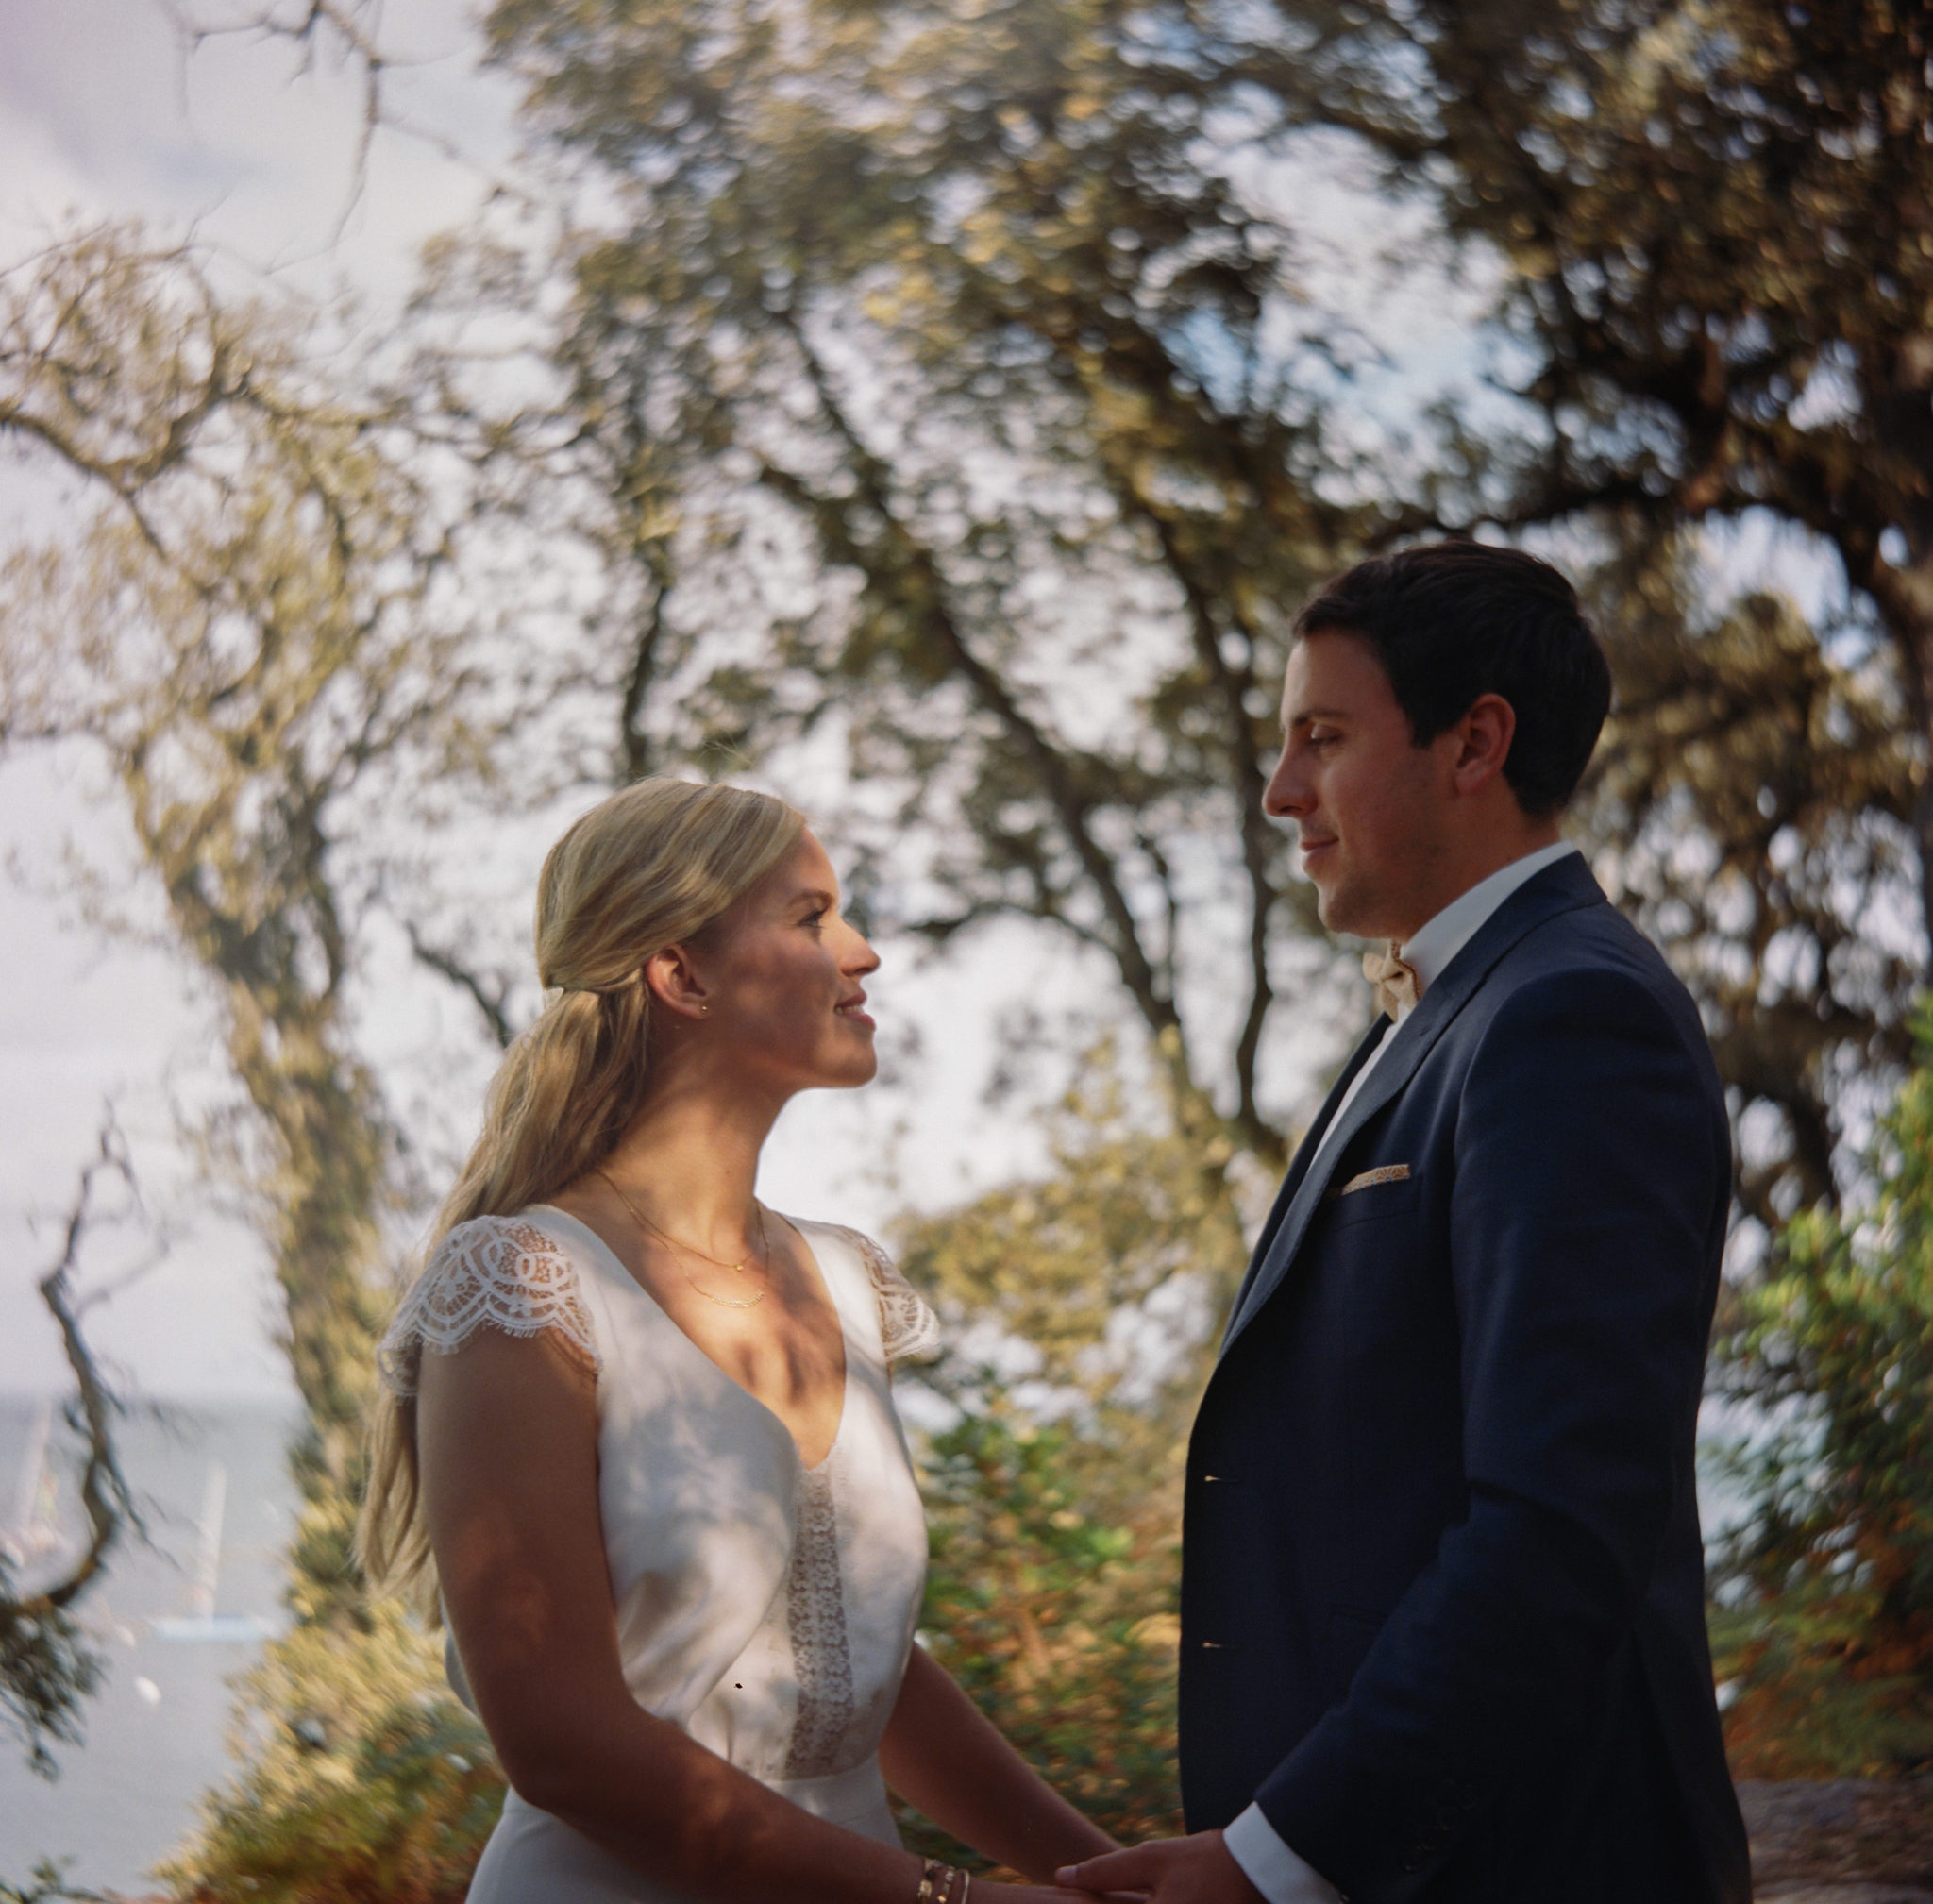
1342	911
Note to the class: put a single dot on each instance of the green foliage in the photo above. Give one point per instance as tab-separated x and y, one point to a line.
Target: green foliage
1828	1636
1751	803
46	1670
1130	1209
48	1884
953	313
1062	1626
364	1777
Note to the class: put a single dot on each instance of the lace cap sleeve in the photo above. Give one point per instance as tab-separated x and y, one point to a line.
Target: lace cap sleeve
498	1271
908	1326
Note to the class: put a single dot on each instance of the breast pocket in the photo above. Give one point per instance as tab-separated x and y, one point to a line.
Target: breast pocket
1385	1190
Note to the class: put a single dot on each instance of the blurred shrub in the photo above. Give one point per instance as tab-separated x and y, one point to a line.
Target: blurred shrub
364	1777
1061	1627
1824	1625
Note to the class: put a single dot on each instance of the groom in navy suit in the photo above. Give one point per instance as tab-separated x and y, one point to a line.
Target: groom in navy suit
1442	1607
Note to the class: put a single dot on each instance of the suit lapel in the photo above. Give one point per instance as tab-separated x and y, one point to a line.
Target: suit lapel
1298	1164
1558	888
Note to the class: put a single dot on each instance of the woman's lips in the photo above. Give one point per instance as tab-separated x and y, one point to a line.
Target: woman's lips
851	1011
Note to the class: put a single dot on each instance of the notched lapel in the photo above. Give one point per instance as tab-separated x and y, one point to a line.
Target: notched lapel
1560	888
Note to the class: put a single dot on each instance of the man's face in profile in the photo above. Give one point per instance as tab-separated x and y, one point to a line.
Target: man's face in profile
1365	800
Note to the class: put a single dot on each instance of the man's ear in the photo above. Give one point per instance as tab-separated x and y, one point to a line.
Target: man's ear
1483	741
673	980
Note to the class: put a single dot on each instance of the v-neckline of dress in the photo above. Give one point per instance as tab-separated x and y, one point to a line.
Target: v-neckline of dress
725	1374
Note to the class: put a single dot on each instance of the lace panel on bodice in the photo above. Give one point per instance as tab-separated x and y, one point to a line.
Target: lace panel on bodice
821	1650
910	1329
493	1270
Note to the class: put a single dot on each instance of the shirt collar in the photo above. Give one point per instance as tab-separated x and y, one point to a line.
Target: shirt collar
1429	951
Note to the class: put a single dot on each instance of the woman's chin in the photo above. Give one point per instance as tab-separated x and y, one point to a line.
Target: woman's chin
857	1065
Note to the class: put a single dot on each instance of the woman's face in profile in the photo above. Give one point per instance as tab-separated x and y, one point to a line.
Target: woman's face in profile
783	972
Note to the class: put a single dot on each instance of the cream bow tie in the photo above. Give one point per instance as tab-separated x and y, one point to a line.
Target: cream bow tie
1397	985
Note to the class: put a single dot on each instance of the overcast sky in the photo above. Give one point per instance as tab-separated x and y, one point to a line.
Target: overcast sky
103	116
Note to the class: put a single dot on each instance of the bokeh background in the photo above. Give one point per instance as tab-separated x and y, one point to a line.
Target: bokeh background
415	421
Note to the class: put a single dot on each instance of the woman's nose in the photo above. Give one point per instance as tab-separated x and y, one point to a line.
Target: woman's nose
860	957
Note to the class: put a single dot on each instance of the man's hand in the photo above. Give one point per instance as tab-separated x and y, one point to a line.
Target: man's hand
1197	1870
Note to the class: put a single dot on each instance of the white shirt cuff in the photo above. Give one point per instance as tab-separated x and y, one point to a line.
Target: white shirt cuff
1270	1866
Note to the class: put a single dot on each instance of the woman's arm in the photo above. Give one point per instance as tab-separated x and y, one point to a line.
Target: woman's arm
508	1440
944	1756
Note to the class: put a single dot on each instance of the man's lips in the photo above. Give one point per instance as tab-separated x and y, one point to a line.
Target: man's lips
1312	847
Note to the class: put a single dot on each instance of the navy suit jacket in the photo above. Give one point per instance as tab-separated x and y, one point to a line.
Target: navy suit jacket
1443	1587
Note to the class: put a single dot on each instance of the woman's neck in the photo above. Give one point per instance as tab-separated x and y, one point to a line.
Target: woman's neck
690	1160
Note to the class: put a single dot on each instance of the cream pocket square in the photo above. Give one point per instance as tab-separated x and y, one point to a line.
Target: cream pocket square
1383	1173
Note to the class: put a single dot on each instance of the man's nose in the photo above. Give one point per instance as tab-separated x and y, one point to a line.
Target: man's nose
1286	796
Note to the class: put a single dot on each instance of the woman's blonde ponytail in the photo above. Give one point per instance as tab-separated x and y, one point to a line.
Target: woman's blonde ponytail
651	867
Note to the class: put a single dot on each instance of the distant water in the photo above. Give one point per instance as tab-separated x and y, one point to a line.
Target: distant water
156	1733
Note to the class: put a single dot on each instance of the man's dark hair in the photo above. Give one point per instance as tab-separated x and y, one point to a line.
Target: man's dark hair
1453	620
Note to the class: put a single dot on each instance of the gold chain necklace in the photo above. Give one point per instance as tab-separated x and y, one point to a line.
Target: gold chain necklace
741	1265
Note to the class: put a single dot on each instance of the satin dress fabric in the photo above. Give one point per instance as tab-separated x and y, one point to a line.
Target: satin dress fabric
763	1607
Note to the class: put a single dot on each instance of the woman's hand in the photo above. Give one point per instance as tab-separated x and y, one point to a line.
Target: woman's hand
986	1892
1195	1870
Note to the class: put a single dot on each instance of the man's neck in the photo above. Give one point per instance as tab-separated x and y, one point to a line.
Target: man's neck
1469	868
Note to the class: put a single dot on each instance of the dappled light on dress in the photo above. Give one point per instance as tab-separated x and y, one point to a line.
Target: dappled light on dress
764	1607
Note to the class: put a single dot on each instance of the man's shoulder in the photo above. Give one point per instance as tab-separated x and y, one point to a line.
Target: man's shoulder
1592	960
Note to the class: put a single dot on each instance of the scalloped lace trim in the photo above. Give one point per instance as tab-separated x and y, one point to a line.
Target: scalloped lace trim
908	1326
494	1270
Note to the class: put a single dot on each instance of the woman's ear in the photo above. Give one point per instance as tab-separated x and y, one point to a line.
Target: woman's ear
672	979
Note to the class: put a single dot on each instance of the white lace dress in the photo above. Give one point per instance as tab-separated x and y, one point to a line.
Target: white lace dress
765	1607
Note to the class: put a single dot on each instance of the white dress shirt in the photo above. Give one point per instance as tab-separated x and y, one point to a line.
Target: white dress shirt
1270	1865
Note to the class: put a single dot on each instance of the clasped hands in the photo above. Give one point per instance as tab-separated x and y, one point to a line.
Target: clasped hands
1194	1870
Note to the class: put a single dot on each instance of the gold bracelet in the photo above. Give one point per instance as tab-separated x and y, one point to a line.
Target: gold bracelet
929	1869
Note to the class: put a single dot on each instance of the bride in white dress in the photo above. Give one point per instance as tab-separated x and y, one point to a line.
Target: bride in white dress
639	1435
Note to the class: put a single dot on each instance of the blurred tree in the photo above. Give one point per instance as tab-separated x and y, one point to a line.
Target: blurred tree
953	358
240	636
242	632
936	371
47	1667
1111	1266
1750	807
1711	227
1827	1629
1062	1624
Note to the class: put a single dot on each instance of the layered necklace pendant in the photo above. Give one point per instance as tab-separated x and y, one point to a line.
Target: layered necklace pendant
742	1267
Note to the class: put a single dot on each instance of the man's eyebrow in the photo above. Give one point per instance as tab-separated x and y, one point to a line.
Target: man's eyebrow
1303	715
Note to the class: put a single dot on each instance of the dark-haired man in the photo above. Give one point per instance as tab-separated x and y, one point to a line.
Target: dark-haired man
1442	1605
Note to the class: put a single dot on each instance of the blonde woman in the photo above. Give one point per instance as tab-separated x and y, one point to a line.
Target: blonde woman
639	1435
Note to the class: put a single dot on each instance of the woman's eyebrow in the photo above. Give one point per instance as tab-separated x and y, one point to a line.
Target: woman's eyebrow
817	896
